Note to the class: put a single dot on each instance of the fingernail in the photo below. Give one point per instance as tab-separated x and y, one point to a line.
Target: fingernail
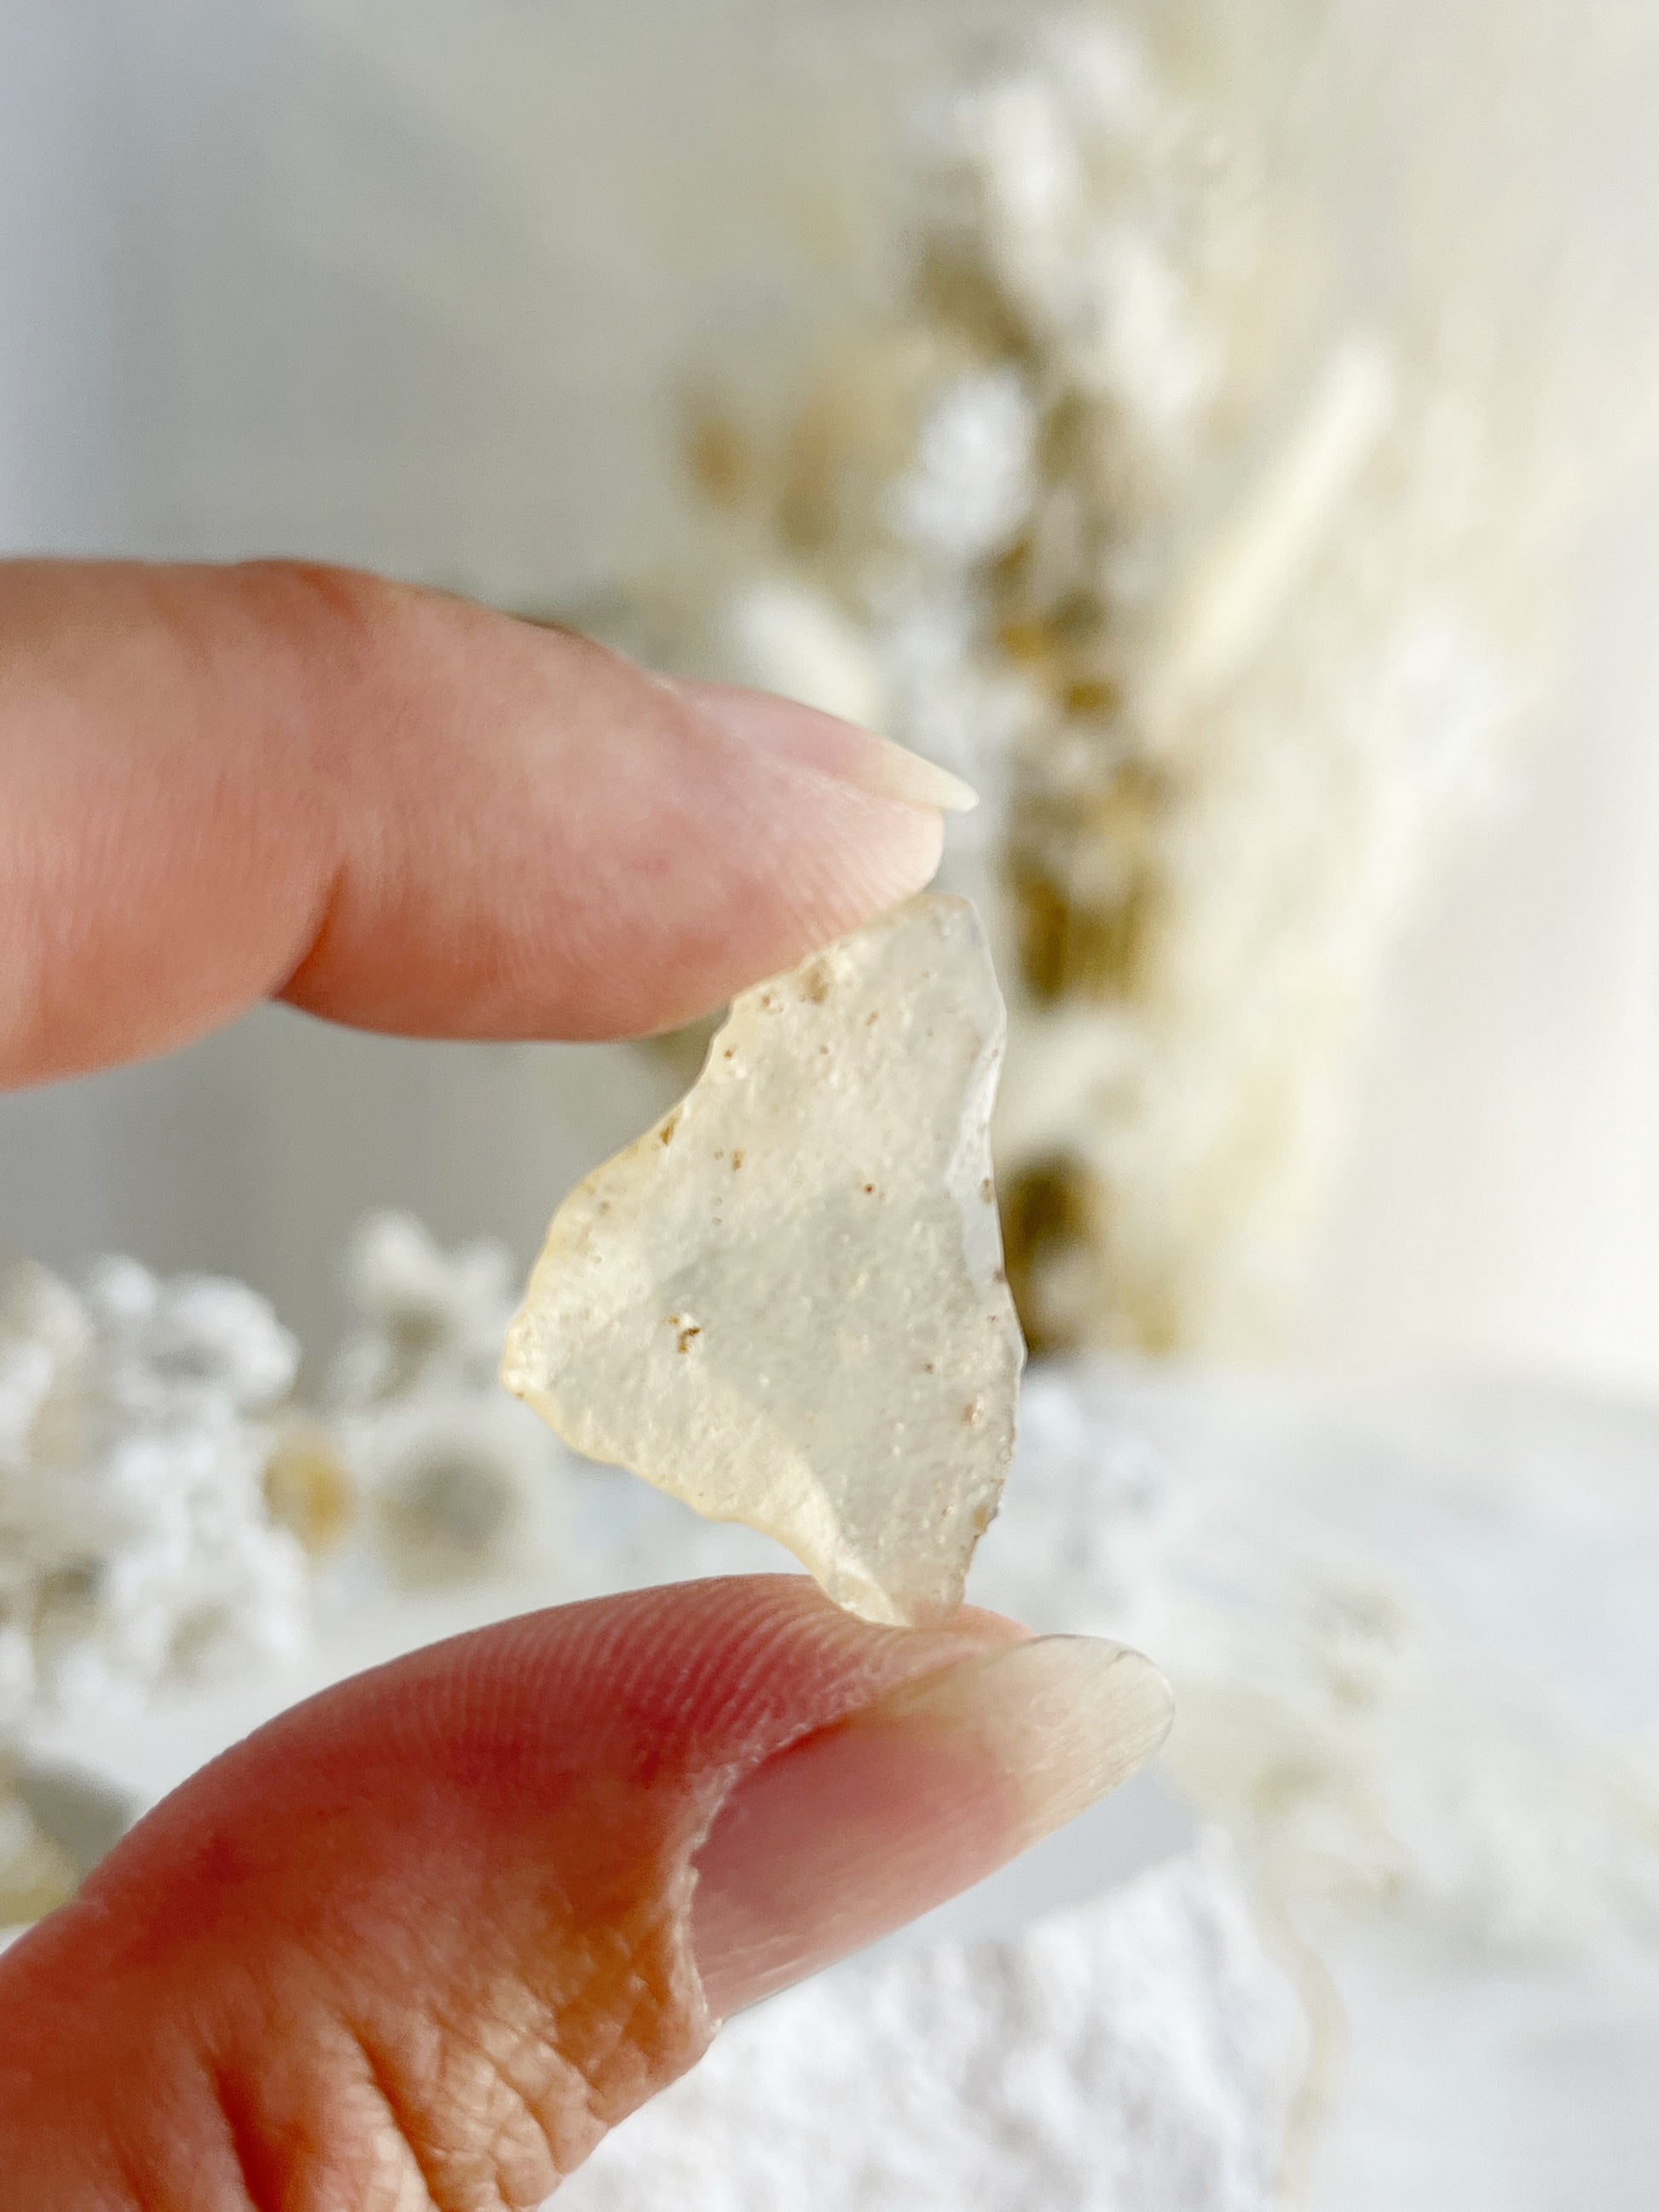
846	1836
834	748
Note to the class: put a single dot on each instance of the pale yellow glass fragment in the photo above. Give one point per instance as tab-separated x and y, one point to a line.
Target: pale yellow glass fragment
786	1303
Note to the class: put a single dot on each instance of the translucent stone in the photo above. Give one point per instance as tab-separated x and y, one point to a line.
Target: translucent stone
786	1303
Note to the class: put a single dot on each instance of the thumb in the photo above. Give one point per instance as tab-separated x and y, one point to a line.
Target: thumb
422	1941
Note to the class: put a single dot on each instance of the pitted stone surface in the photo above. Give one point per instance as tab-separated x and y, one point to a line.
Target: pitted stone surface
785	1304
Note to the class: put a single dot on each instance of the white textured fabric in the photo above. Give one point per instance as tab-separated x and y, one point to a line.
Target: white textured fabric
1132	2056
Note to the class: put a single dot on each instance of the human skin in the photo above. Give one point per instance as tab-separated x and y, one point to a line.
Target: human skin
420	1941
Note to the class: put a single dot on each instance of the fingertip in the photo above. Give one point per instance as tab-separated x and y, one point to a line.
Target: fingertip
438	1927
847	1834
401	812
844	750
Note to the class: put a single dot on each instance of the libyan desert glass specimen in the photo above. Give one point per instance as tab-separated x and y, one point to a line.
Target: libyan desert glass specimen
786	1303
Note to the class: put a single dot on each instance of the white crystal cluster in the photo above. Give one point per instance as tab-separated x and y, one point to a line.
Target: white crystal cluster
457	1482
1211	584
169	1513
135	1545
166	1503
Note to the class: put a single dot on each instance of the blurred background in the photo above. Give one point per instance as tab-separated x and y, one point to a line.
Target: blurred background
1225	431
427	287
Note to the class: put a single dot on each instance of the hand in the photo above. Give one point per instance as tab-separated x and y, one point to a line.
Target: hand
422	1940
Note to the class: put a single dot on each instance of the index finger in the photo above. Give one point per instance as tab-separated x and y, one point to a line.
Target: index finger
396	810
